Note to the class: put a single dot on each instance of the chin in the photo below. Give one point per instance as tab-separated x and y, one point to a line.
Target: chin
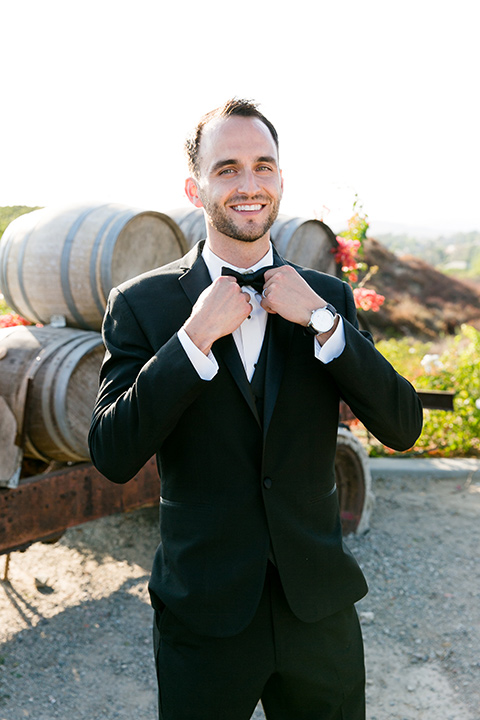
253	238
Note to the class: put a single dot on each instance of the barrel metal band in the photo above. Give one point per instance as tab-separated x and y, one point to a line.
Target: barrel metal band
22	250
94	282
65	266
282	233
108	248
63	438
24	390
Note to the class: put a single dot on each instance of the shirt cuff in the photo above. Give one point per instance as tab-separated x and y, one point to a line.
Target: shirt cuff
206	366
333	347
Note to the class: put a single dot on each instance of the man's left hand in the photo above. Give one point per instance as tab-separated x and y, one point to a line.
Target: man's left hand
285	292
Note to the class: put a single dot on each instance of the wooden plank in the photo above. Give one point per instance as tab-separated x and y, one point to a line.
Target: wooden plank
44	506
436	399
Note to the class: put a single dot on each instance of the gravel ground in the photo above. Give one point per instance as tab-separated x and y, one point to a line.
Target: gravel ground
76	621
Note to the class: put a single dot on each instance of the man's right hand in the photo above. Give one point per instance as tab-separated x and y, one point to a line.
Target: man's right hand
219	310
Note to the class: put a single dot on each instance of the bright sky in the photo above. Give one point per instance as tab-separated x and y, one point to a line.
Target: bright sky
374	97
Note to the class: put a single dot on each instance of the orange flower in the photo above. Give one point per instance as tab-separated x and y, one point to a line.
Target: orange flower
366	299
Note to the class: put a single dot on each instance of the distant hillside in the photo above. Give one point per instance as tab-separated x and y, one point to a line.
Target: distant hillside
419	300
457	254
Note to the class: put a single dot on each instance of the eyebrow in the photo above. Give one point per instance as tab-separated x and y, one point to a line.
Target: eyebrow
233	161
222	163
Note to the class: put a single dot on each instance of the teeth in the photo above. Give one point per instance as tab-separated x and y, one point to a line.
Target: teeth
247	207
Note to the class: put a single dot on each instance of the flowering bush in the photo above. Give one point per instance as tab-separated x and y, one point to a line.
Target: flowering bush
10	319
454	366
347	255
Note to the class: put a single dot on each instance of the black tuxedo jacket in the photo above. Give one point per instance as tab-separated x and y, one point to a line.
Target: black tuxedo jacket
230	485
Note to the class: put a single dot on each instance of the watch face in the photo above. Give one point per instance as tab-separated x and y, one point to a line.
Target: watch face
322	320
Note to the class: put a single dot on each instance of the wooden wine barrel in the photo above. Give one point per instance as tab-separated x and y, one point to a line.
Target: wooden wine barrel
354	483
309	243
65	261
10	454
192	224
305	242
49	380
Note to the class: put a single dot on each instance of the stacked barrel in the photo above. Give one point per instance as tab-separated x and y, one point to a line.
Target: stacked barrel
56	270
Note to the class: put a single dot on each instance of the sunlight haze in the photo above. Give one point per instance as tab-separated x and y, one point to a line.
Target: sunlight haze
378	99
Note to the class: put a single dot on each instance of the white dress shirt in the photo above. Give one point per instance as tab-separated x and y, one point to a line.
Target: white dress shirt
249	336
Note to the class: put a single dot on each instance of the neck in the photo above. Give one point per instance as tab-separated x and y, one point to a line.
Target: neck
238	252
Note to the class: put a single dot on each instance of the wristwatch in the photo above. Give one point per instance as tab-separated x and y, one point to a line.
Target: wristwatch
321	320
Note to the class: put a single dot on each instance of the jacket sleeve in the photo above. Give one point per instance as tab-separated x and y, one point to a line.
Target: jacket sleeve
384	401
143	392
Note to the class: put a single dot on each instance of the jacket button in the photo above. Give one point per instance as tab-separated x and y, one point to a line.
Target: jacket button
267	483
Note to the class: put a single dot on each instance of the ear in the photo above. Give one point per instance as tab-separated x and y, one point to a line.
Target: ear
191	191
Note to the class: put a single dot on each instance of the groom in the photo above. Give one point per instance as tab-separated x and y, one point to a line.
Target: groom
229	365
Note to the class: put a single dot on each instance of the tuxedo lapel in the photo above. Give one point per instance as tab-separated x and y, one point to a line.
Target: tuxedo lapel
280	337
226	349
278	345
196	277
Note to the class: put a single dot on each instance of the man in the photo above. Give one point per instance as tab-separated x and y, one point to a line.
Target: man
236	389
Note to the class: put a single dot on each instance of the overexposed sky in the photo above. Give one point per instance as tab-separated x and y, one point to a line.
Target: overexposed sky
377	98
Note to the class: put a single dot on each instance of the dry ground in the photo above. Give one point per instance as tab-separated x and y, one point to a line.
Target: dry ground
75	619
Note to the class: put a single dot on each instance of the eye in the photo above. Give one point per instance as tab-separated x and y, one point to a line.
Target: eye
264	168
226	171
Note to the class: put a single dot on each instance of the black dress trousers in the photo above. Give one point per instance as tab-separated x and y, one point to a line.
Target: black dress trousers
300	671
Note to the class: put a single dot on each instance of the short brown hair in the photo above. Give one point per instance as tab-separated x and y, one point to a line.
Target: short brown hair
235	106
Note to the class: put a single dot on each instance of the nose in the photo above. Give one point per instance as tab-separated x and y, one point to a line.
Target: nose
248	183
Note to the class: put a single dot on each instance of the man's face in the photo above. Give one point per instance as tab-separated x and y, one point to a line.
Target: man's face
239	184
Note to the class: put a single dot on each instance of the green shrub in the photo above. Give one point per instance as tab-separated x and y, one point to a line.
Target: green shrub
453	365
10	212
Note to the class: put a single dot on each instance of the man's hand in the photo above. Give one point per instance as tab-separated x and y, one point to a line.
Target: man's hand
219	310
285	292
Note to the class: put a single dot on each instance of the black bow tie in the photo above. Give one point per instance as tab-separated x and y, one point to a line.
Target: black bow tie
256	279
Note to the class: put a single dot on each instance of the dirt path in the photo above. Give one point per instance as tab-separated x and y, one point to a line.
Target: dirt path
75	621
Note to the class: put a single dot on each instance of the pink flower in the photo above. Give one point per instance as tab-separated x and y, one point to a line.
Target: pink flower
368	299
11	319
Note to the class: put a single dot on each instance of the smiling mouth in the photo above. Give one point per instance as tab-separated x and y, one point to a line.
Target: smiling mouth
247	208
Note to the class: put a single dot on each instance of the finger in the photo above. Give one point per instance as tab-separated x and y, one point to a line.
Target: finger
270	273
227	278
264	304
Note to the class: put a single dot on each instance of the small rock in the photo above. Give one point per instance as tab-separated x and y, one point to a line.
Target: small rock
366	618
